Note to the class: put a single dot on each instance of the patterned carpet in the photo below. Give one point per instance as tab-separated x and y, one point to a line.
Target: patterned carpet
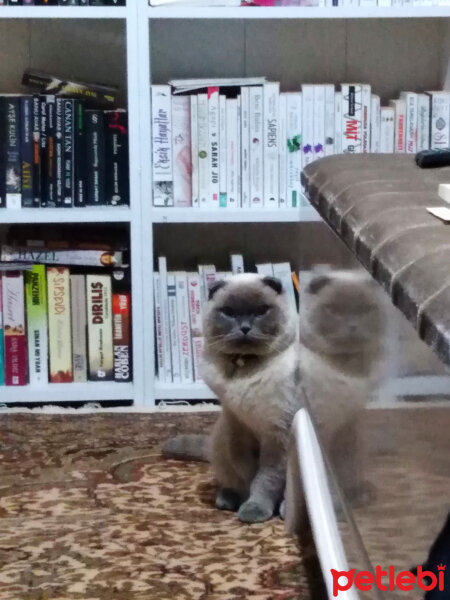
89	511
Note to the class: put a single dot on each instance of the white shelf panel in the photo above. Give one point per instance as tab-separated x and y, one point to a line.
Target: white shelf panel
192	215
63	12
295	12
66	215
187	391
68	392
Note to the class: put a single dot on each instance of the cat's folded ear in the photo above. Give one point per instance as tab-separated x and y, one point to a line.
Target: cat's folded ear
274	283
317	283
214	287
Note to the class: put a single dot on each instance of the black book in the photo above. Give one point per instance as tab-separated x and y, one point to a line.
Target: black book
26	150
59	131
36	135
43	149
116	150
13	164
80	156
107	2
2	152
95	157
84	2
121	309
69	151
50	157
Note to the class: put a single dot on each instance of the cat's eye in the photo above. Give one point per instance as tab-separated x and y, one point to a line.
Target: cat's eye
227	311
262	310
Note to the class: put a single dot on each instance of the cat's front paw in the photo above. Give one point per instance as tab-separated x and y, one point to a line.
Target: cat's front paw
252	512
228	499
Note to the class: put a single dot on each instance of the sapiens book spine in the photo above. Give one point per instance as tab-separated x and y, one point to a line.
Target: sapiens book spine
375	124
26	150
99	317
15	356
423	122
319	121
79	327
13	161
213	147
352	118
36	134
256	147
162	166
121	303
95	157
439	119
411	105
307	124
184	328
338	123
222	151
80	156
2	345
245	147
294	147
37	334
59	151
117	185
282	157
203	150
59	325
181	148
194	151
366	106
173	327
159	338
232	153
68	151
50	156
329	120
162	267
387	127
399	124
271	144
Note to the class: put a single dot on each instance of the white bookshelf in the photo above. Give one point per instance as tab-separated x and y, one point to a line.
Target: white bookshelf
392	48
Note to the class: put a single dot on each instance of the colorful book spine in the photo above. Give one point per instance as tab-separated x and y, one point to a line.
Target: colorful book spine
411	106
15	351
399	124
184	329
194	151
99	317
352	118
203	151
232	153
181	148
59	151
162	166
95	157
68	108
271	144
256	127
222	151
36	305
387	127
79	327
173	327
117	185
294	146
50	156
282	157
329	120
57	256
121	306
245	147
213	147
439	119
36	135
26	150
59	325
307	124
423	122
13	162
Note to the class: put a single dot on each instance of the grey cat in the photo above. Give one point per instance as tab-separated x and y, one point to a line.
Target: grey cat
262	375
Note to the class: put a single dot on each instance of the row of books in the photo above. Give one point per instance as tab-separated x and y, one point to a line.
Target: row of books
315	3
62	2
212	151
56	152
62	324
179	298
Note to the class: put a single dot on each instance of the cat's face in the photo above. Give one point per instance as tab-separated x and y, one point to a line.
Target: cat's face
246	315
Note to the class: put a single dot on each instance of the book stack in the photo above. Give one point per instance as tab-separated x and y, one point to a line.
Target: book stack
242	143
64	316
62	2
179	299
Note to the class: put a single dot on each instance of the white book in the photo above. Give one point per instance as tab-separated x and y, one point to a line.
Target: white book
207	278
319	121
195	303
439	119
195	2
367	102
387	129
283	272
222	151
423	122
399	124
256	147
282	157
162	267
162	166
194	151
181	151
338	123
294	148
265	269
245	147
203	150
159	337
329	120
184	329
197	351
173	328
411	105
375	124
213	152
238	154
237	264
185	85
352	118
271	144
307	124
232	153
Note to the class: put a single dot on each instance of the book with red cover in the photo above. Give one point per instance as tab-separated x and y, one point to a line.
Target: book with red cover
16	364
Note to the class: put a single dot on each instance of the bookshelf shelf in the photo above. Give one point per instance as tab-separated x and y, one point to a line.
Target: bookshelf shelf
69	392
66	215
192	391
63	12
180	215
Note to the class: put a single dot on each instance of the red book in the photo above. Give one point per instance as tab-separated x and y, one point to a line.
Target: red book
16	365
121	305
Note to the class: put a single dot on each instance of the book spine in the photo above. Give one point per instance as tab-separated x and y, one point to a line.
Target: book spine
282	157
194	151
232	154
237	264
375	124
207	278
56	256
2	345
59	152
294	146
203	150
79	327
157	299
256	147
366	106
184	329
162	166
36	170
173	327
68	146
26	150
117	186
36	305
439	121
162	266
80	156
284	273
181	147
197	350
423	125
245	147
15	350
195	304
387	127
2	152
121	305
329	120
265	269
238	155
43	150
338	123
352	118
222	151
13	161
95	157
307	124
410	99
59	325
99	317
319	121
271	144
213	147
399	125
50	161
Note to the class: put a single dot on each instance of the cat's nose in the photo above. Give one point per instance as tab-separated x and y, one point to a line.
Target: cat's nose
245	329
